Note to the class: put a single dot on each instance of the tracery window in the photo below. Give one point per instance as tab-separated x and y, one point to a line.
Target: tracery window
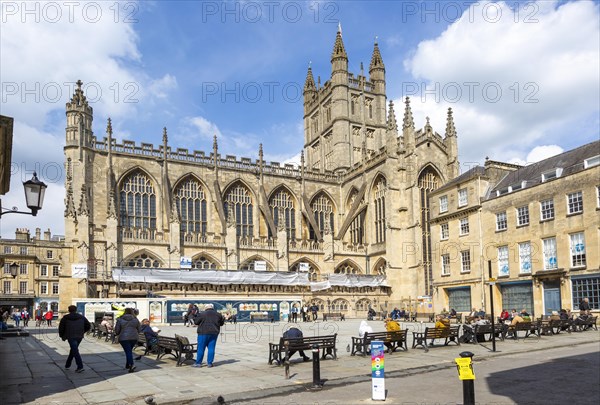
143	260
239	201
428	181
203	263
347	268
191	205
138	202
282	203
380	190
380	268
322	209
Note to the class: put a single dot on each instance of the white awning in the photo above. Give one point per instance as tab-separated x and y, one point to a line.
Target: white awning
224	277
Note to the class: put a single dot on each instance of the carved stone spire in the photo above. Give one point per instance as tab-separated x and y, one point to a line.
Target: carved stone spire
427	125
450	128
376	59
109	130
70	211
78	99
338	47
215	150
83	203
391	121
309	84
260	161
408	121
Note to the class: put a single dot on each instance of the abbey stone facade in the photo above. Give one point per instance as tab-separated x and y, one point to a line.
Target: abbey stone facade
351	220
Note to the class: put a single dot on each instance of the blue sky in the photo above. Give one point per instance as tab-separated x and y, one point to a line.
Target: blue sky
522	78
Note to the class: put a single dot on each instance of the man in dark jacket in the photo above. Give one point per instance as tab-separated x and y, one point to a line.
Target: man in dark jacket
71	328
209	324
292	333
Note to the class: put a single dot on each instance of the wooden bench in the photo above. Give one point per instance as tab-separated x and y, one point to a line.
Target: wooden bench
261	317
396	339
579	325
286	345
448	334
143	343
335	315
179	347
423	316
530	329
480	331
559	325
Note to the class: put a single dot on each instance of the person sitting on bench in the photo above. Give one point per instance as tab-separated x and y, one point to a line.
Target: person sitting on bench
293	333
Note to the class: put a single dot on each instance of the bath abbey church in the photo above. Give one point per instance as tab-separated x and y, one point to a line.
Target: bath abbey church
349	225
358	224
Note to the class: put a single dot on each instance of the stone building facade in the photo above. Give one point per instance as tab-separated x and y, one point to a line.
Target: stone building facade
352	219
536	226
40	266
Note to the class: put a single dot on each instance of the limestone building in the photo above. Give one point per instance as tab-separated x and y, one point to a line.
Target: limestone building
537	226
347	229
39	261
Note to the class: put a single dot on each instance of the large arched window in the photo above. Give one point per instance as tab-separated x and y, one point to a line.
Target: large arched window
379	205
238	202
428	181
143	260
322	209
281	203
137	203
191	204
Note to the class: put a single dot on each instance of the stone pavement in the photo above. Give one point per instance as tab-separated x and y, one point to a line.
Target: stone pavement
32	368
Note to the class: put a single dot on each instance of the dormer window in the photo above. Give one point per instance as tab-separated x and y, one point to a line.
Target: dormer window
591	162
552	174
517	186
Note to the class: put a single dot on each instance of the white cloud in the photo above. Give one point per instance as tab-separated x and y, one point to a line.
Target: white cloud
547	71
538	153
161	87
201	128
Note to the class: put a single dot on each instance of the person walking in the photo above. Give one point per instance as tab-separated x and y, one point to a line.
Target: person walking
48	316
71	328
209	324
38	316
127	329
25	317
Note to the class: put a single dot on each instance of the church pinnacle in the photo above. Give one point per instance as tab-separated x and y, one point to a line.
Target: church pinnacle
338	47
309	84
450	128
391	121
408	121
376	59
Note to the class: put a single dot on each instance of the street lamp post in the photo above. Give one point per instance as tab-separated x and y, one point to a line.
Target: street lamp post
35	191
